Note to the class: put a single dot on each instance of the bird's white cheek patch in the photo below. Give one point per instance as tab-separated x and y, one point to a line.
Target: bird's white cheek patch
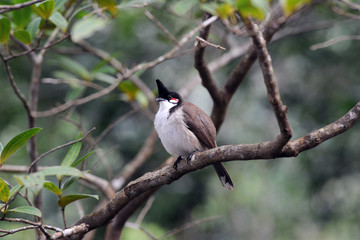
174	100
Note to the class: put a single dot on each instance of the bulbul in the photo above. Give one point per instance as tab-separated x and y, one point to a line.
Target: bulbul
184	129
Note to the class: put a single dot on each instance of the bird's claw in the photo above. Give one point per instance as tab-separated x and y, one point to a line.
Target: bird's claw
188	159
177	161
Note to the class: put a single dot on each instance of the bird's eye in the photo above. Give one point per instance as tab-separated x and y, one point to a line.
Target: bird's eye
174	100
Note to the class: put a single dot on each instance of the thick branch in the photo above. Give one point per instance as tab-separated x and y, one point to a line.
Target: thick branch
242	152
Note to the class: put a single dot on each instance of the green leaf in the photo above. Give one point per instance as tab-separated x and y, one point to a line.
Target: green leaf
290	6
27	210
16	143
1	147
252	8
5	27
52	188
59	21
110	5
209	7
107	78
77	162
142	99
65	200
59	4
75	93
74	68
86	27
73	153
68	182
4	191
23	36
14	190
34	181
2	209
225	10
129	88
22	16
33	27
45	9
60	170
183	6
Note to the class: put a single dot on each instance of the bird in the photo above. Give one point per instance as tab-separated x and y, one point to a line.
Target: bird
185	129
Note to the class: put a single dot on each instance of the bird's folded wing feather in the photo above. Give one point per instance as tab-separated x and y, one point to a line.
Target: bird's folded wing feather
200	124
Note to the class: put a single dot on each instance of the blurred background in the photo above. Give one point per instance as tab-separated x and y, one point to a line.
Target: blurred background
313	196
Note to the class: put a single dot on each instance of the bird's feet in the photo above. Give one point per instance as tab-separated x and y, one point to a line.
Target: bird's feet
188	159
177	162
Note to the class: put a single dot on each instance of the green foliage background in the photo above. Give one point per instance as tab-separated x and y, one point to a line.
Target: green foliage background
313	196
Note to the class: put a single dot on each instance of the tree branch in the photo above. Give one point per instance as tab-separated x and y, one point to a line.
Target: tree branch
57	148
8	8
242	152
199	63
279	108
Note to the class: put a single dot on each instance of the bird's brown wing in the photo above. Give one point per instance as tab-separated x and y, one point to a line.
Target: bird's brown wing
203	128
200	124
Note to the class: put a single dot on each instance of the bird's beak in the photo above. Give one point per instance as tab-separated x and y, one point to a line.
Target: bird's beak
159	99
163	91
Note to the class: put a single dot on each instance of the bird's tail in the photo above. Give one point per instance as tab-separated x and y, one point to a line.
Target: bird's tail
223	176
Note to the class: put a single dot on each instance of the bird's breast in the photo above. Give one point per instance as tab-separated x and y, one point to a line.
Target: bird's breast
177	139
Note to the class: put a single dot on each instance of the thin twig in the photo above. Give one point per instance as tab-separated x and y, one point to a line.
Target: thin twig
334	41
36	48
12	231
71	81
15	88
136	226
173	51
7	8
199	39
162	27
189	225
344	13
77	102
145	210
112	125
351	5
59	147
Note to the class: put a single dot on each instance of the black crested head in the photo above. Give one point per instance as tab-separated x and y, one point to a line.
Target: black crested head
166	94
163	91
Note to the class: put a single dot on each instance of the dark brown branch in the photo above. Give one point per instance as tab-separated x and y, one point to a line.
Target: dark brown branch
238	74
243	152
15	88
115	228
8	8
279	108
200	65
